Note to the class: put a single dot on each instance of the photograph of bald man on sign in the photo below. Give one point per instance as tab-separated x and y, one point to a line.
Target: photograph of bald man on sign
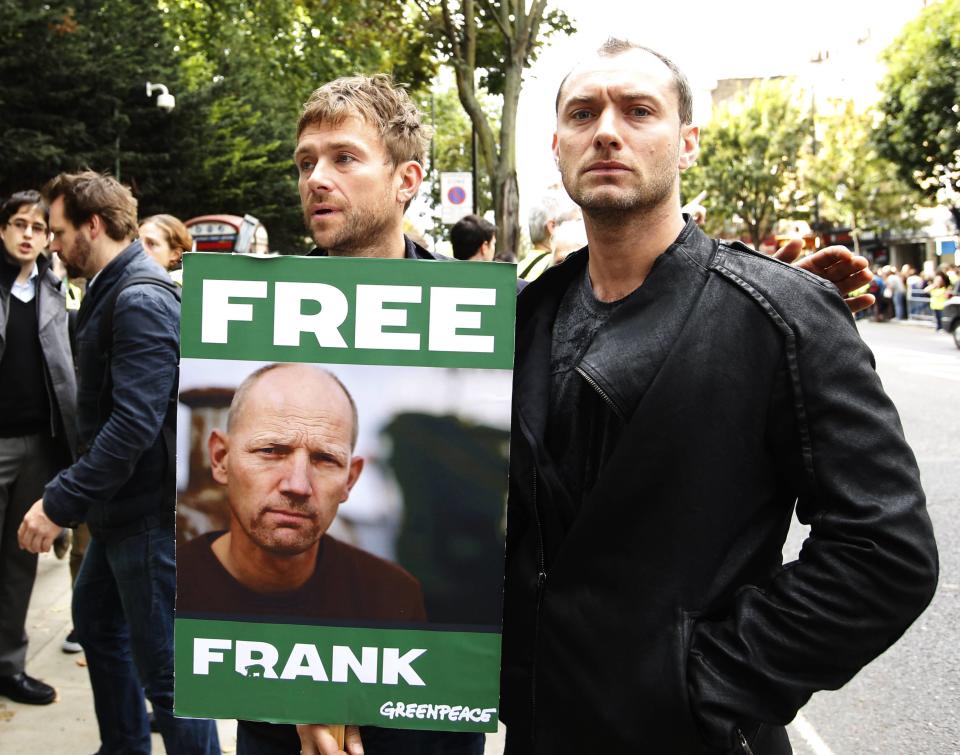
286	461
331	482
338	498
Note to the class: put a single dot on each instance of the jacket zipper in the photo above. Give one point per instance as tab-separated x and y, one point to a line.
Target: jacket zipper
541	581
603	395
744	745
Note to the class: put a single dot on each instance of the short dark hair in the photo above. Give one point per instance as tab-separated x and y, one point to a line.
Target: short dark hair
615	46
469	234
20	199
87	194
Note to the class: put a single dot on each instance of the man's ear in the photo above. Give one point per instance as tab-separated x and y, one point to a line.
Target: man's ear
689	146
97	228
218	446
411	176
555	150
356	467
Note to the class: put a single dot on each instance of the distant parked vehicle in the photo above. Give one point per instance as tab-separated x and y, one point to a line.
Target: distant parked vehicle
951	318
228	233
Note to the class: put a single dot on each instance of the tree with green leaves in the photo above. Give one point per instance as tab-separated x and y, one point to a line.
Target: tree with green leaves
750	158
858	187
920	103
489	44
72	93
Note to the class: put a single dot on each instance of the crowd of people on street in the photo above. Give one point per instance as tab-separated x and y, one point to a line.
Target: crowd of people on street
911	294
653	352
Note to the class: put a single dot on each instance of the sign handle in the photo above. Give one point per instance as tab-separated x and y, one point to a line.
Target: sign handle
338	731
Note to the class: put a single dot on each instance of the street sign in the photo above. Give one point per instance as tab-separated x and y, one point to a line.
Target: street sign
946	246
456	196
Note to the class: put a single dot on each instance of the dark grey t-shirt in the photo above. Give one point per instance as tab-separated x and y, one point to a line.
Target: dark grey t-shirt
582	430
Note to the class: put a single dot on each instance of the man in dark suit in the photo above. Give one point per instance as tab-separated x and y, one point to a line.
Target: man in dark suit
287	462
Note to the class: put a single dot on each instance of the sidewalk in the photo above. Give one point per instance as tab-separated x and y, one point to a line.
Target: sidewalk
68	726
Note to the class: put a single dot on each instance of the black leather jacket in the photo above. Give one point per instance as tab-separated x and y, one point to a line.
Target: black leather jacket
661	619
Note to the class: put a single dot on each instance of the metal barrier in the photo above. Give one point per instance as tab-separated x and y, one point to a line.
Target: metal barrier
918	305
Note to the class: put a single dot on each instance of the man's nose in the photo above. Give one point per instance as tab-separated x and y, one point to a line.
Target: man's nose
319	178
607	132
296	477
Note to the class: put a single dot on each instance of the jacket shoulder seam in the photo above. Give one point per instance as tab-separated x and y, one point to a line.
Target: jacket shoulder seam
792	356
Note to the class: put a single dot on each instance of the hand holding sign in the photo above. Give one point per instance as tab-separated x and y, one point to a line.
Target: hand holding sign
320	739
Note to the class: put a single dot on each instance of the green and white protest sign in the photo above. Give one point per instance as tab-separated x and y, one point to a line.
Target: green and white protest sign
342	477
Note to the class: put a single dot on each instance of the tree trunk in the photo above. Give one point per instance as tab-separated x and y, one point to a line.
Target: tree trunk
506	207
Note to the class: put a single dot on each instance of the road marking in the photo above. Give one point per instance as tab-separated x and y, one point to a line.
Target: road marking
914	362
801	726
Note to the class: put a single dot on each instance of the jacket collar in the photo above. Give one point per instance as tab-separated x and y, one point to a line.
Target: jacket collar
627	353
10	269
108	276
411	251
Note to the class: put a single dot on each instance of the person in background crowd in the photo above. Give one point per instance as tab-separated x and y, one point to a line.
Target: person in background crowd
473	239
37	417
878	290
896	291
549	211
166	239
123	484
569	236
939	292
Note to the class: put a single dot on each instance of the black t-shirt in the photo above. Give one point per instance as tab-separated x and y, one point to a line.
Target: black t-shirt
582	431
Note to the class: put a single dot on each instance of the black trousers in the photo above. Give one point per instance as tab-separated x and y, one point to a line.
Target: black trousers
27	463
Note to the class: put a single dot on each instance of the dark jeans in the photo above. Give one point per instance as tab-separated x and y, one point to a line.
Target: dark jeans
123	614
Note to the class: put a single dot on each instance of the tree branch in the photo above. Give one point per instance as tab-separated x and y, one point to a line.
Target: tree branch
451	29
491	11
532	26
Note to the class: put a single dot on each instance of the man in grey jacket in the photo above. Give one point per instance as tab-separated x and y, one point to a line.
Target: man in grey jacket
37	417
128	332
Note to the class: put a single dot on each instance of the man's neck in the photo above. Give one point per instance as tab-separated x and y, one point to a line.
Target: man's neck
623	247
26	270
107	252
260	571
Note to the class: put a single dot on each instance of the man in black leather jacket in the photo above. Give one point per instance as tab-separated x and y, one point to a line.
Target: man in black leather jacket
675	397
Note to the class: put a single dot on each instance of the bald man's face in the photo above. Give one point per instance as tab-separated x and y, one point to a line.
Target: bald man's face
287	460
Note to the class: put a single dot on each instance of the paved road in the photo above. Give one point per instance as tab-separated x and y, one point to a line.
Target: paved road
908	700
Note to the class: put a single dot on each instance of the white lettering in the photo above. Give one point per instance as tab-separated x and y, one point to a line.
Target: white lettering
289	321
204	653
250	654
218	310
304	660
372	317
446	319
344	660
396	665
